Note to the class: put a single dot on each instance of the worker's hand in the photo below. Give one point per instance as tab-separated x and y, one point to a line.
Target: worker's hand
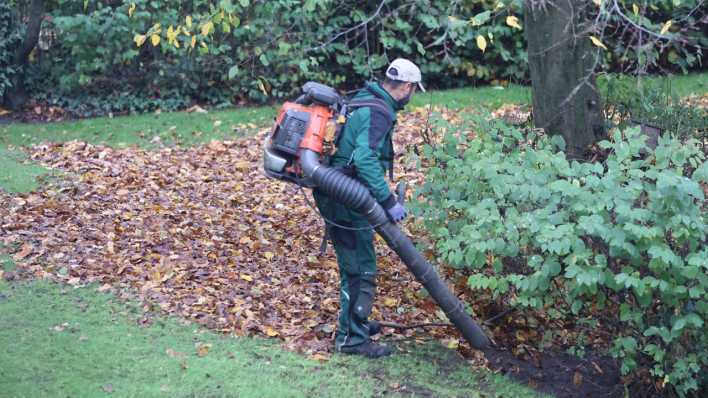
397	212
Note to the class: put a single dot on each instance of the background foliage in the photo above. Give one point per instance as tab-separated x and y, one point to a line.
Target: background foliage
114	56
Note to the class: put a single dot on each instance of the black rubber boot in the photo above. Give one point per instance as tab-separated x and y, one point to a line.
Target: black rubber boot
368	349
374	328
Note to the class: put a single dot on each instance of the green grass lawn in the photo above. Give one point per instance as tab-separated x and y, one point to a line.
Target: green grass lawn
677	85
152	129
17	175
146	130
58	341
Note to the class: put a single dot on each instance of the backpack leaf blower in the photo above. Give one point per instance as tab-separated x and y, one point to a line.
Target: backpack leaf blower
301	134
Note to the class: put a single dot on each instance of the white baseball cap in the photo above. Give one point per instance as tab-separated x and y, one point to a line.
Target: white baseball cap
404	70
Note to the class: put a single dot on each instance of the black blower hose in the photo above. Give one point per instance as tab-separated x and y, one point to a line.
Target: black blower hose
356	196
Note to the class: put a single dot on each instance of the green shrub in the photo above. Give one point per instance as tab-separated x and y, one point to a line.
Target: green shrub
621	242
261	51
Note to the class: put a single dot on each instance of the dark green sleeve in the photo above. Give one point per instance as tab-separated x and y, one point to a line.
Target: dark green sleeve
369	129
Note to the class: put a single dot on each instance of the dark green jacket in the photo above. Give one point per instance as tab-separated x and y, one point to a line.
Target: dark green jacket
366	144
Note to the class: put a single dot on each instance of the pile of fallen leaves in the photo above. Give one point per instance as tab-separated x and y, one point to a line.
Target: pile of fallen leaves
200	233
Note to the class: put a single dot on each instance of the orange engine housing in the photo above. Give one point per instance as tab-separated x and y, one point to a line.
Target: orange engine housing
317	126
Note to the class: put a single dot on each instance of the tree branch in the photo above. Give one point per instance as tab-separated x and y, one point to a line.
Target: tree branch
617	9
353	28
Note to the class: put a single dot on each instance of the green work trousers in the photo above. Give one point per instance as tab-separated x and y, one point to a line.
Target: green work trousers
357	270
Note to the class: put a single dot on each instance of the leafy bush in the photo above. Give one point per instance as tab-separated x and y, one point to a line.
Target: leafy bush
230	52
621	242
234	51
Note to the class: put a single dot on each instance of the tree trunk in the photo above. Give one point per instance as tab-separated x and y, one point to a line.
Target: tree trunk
562	61
17	95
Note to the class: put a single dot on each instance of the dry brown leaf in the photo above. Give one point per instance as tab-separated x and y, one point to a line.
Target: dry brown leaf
25	251
202	349
577	378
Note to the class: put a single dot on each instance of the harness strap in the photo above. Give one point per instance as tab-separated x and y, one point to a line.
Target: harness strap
377	103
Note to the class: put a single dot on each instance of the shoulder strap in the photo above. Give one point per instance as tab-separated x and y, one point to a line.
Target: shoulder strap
375	103
354	104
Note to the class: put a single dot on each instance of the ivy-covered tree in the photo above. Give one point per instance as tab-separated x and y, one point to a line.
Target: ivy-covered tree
16	44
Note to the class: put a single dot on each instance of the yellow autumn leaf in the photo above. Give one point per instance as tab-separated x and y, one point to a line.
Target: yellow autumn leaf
194	41
635	9
172	35
131	9
203	349
666	26
248	278
155	39
188	21
139	39
271	332
481	43
268	255
452	344
207	27
319	357
513	22
390	302
597	42
261	86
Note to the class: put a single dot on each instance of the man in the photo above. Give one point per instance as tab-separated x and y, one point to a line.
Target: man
365	152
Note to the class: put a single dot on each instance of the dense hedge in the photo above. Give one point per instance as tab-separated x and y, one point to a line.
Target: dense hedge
257	51
619	244
10	37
